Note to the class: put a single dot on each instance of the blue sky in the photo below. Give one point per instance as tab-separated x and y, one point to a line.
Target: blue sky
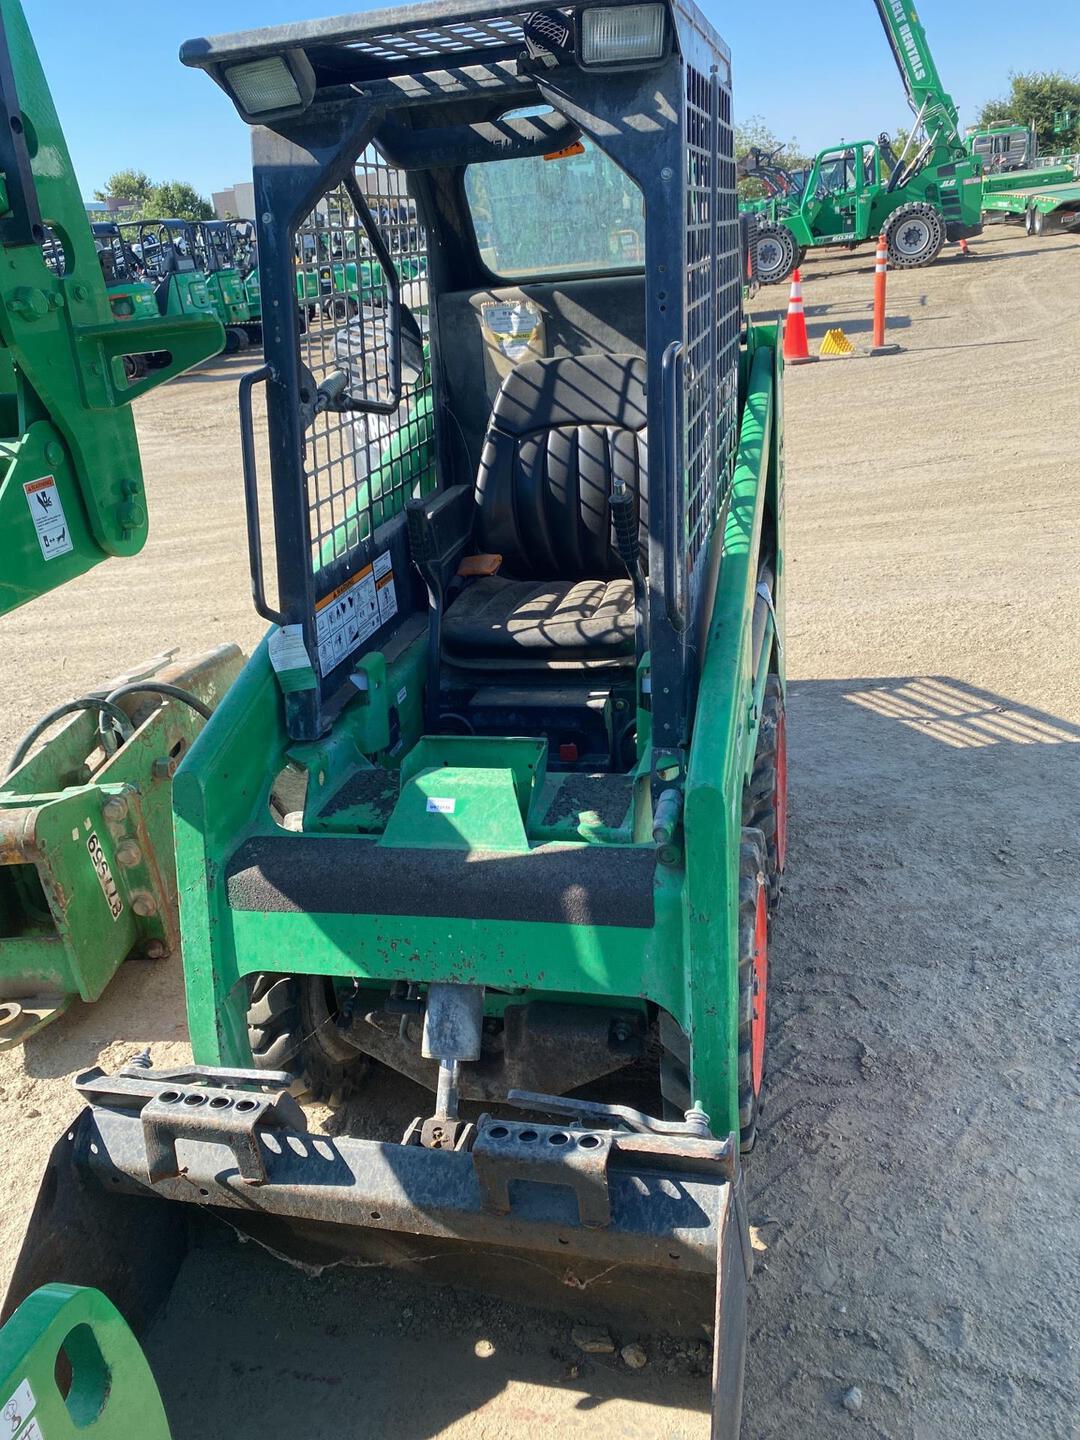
124	98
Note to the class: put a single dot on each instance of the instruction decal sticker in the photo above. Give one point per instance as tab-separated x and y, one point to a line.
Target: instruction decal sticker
352	612
105	880
50	522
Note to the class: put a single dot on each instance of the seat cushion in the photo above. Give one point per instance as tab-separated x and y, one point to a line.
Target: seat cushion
539	621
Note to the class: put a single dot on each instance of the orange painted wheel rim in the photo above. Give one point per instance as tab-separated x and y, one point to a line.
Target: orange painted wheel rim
760	984
780	798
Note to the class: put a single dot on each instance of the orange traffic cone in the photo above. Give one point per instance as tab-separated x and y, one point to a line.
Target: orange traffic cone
796	344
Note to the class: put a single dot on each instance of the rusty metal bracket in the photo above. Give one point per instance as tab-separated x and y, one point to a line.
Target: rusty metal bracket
506	1150
190	1103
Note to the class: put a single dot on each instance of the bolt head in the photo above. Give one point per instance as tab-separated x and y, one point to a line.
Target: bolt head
115	808
144	905
129	853
155	950
164	769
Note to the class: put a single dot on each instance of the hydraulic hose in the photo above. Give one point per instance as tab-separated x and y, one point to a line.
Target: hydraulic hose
107	706
149	687
86	702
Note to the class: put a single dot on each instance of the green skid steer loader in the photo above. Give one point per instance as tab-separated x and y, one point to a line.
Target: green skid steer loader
495	816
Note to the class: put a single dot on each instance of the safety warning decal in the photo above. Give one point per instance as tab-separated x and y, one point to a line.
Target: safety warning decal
47	512
17	1411
512	325
352	612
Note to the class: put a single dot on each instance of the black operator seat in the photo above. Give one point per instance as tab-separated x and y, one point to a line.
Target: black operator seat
561	432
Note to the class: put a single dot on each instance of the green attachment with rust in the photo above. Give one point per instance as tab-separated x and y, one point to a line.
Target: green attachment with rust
71	486
111	1395
87	875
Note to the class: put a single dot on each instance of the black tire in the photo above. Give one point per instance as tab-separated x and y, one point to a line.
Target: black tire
236	340
777	253
915	234
1039	226
341	309
753	982
292	1026
767	809
1029	221
136	367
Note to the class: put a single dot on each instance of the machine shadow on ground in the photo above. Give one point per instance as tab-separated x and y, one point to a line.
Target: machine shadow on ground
918	1031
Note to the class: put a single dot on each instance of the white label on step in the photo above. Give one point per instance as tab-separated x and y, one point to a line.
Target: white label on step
438	805
17	1411
105	880
33	1431
50	522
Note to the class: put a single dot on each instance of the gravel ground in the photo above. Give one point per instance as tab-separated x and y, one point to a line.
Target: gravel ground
914	1191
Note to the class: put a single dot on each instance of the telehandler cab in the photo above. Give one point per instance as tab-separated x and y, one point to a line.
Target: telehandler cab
499	804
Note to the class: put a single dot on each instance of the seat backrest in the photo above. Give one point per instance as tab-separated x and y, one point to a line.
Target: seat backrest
560	431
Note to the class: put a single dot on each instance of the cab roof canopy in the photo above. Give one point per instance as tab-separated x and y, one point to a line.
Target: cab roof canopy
280	70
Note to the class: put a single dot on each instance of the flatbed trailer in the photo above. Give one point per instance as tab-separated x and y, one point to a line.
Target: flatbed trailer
1045	205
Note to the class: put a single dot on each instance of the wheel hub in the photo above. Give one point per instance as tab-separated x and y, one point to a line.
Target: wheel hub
770	256
913	237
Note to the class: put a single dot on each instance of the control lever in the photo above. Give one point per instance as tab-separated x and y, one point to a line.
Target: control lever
625	523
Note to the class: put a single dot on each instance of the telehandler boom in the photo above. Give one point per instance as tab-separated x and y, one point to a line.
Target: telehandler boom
859	189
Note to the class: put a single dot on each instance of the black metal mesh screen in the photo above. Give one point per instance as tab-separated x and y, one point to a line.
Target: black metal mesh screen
452	39
360	468
713	297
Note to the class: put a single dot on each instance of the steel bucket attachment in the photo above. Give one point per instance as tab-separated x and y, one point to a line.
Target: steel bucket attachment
610	1216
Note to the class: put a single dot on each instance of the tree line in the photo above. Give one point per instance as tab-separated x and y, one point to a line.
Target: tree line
146	199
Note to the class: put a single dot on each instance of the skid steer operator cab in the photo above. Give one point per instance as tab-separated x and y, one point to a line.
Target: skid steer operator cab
486	198
503	425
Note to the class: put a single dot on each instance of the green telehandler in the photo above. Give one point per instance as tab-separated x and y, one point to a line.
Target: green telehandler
86	871
860	189
76	330
499	805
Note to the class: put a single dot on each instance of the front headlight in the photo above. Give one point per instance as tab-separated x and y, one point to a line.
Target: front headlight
622	35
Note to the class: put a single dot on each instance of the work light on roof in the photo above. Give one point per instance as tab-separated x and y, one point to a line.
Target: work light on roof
622	35
272	85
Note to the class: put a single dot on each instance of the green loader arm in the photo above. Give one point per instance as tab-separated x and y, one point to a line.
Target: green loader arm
71	490
112	1394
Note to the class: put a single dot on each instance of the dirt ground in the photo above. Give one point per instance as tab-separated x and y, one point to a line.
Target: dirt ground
914	1192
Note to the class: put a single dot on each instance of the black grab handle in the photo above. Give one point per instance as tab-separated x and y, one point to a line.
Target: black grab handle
251	494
